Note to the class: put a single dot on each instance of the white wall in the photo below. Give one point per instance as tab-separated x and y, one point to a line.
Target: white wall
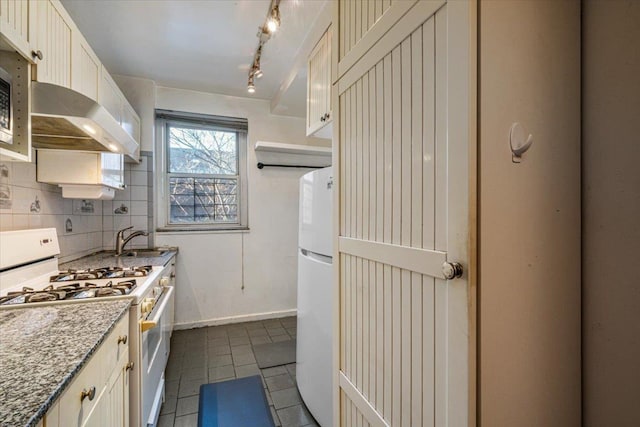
529	234
611	210
227	276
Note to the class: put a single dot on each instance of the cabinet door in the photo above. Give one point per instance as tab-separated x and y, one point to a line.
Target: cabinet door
77	411
327	75
130	121
52	36
85	67
316	98
109	95
14	24
115	399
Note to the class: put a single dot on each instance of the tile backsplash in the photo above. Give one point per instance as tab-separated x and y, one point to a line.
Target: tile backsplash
83	226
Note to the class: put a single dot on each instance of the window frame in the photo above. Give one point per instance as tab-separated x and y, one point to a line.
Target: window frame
198	121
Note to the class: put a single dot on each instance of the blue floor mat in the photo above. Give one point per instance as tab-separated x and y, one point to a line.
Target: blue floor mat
234	403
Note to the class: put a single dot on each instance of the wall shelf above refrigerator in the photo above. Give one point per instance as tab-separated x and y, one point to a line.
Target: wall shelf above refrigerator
292	155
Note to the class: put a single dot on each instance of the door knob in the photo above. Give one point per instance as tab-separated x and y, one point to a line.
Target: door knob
451	270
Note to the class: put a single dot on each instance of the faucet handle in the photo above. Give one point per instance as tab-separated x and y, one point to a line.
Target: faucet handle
127	228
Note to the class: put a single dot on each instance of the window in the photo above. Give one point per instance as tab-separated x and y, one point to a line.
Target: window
203	162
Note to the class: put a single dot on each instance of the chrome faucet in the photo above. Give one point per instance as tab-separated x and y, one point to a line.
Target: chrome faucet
121	240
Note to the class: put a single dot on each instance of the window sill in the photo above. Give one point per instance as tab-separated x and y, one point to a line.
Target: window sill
192	230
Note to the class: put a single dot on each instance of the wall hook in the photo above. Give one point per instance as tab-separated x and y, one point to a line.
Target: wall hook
519	142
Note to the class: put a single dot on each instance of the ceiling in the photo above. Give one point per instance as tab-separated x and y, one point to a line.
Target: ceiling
199	45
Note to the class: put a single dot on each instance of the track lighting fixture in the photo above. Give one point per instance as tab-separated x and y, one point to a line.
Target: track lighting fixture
270	26
273	23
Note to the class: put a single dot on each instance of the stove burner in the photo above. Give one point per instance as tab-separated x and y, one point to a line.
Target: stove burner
102	273
69	291
45	296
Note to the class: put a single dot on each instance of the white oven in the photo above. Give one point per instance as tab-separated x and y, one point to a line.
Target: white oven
154	331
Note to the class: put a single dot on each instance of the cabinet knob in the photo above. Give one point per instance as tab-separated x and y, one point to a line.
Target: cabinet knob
37	54
451	270
122	339
326	116
129	366
322	119
90	394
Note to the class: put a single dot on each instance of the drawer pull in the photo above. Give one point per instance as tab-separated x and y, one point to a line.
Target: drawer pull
129	366
90	394
122	339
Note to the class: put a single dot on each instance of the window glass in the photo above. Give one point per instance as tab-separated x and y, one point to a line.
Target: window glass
202	151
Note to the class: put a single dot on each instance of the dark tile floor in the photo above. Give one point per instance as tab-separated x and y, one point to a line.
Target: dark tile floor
219	353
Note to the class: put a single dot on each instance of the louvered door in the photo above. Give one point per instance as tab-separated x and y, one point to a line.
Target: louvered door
404	150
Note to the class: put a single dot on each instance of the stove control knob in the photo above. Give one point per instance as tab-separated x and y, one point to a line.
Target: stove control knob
147	305
164	281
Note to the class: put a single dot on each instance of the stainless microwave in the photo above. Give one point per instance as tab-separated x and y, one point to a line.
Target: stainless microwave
6	110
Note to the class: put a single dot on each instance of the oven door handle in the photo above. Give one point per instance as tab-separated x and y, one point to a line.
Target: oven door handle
145	325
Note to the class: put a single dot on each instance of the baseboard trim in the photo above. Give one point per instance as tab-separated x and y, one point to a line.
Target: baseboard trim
235	319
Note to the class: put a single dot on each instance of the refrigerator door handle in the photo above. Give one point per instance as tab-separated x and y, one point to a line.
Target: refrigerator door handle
316	257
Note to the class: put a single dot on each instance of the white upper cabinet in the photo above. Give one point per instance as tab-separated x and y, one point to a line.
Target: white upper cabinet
130	121
85	67
50	37
109	95
14	24
319	88
44	34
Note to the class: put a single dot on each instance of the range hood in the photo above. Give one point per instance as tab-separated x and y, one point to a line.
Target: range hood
63	119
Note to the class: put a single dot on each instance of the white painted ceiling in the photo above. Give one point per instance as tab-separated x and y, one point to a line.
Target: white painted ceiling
199	45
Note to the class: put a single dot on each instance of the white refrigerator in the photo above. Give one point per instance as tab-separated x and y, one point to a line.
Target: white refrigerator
315	300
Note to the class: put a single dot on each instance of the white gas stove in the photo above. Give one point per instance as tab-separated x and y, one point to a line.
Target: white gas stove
29	276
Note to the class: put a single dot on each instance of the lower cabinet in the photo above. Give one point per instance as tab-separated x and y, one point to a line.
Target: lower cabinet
99	395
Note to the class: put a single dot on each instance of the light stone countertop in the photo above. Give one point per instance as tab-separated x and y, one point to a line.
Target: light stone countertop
108	259
42	349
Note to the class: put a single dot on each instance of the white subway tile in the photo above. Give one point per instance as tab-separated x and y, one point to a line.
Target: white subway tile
138	208
24	175
139	167
140	222
138	178
139	192
37	221
95	241
108	240
94	223
123	195
107	223
68	206
22	199
121	221
20	221
6	222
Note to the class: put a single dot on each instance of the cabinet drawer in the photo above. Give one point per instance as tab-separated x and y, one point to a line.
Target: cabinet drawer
114	347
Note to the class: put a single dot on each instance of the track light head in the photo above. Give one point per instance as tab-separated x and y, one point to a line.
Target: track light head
273	23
